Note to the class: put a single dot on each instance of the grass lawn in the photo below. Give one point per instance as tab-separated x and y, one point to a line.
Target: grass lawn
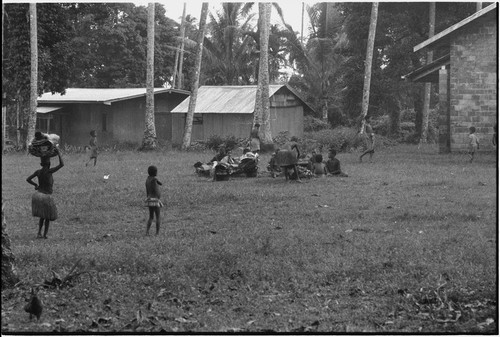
404	244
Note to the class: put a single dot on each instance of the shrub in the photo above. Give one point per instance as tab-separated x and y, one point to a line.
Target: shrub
214	142
340	138
229	142
314	124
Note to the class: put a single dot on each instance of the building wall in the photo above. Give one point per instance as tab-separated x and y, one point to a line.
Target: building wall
120	122
473	84
289	119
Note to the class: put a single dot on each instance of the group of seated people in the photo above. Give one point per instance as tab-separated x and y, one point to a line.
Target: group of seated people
330	167
224	157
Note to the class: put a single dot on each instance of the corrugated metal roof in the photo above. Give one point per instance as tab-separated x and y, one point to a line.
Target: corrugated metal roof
225	99
100	95
47	109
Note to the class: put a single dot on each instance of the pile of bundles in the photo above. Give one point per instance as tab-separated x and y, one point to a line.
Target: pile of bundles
44	145
222	166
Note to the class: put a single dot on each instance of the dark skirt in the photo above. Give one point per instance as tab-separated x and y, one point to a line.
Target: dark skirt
285	158
43	206
93	152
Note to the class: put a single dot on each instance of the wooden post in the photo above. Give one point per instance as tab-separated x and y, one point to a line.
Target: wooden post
4	119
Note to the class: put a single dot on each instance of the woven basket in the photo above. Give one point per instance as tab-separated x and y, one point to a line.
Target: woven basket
42	148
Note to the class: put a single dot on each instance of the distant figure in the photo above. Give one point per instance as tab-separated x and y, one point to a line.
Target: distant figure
473	143
319	168
153	201
287	158
255	139
369	138
42	203
333	165
495	135
93	147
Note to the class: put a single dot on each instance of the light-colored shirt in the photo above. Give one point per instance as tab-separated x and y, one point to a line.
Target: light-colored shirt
473	140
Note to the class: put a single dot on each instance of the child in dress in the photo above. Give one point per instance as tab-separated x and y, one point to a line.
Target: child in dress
93	147
369	139
473	143
42	203
153	201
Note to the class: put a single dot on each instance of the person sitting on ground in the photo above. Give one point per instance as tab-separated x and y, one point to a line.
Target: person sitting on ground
221	154
319	168
333	165
248	154
312	160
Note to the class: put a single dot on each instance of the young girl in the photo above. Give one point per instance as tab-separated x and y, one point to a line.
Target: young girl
369	140
42	203
153	201
93	147
473	143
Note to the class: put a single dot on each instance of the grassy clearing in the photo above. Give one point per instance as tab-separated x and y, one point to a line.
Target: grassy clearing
405	244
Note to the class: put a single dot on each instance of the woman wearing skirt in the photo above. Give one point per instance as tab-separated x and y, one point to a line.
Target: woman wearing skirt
42	203
288	157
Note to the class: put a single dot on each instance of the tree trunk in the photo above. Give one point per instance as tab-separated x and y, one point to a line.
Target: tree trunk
9	274
34	74
264	54
262	96
368	64
149	140
188	128
428	85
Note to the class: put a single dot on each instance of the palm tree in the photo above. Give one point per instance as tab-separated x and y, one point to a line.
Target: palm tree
427	92
192	100
229	51
34	73
149	140
368	64
262	96
320	61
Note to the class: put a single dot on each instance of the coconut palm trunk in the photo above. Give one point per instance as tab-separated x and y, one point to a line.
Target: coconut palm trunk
34	73
188	128
261	112
149	140
368	65
428	85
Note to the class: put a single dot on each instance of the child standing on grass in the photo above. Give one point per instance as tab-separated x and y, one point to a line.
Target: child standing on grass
93	147
42	203
153	201
473	143
369	140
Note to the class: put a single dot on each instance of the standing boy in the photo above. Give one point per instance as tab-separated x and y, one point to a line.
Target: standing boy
369	140
153	201
473	143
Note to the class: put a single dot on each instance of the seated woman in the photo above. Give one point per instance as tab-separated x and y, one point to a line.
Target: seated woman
333	165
